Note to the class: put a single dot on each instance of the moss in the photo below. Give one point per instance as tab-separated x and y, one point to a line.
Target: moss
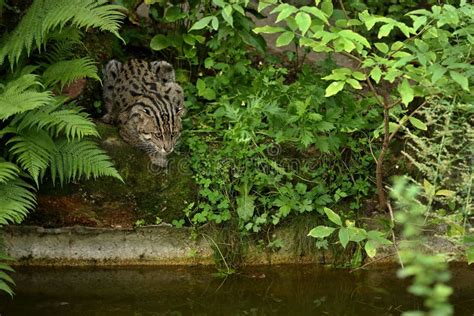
147	191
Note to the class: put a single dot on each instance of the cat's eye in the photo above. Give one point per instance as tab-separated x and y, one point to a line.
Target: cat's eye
147	111
157	135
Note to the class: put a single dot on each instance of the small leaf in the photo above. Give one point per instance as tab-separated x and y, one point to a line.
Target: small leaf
447	193
215	23
268	29
321	231
376	74
286	12
202	23
344	236
334	88
370	248
460	79
354	83
159	42
406	92
382	47
385	30
327	7
333	217
227	15
285	39
417	123
358	75
303	20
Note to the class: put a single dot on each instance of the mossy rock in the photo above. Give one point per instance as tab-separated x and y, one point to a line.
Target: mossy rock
147	192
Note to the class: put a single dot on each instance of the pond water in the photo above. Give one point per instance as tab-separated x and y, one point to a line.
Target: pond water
278	290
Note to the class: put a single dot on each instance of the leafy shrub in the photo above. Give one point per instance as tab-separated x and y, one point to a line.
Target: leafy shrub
41	134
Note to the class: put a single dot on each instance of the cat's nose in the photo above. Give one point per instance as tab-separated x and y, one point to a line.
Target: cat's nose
168	149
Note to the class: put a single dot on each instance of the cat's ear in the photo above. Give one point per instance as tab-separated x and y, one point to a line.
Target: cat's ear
112	69
164	71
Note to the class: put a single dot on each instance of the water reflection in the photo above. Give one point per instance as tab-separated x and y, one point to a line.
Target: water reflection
282	290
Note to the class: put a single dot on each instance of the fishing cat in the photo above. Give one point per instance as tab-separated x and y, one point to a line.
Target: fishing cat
147	104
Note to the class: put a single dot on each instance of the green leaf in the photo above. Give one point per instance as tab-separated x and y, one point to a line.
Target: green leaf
227	15
245	206
334	88
316	12
353	36
268	29
321	231
376	74
332	216
385	30
370	248
303	20
417	123
406	92
202	23
437	72
344	236
354	83
447	193
382	47
286	12
159	42
460	79
215	23
358	75
357	234
285	39
327	7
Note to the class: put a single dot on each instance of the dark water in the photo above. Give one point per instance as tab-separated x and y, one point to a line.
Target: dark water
281	290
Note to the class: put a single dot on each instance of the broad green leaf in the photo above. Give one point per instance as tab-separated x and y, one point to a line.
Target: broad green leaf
385	30
332	216
344	236
376	74
202	23
316	12
447	193
286	12
382	47
303	20
215	23
437	72
245	206
370	248
429	188
327	7
354	83
378	237
357	234
268	29
358	75
159	42
353	36
262	4
406	92
227	15
460	79
417	123
334	88
285	39
321	231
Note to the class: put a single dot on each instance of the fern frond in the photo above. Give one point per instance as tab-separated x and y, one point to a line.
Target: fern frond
8	171
19	96
44	16
5	279
67	71
33	150
75	159
57	119
16	199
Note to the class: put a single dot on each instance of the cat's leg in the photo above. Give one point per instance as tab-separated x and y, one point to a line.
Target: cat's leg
111	73
164	71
